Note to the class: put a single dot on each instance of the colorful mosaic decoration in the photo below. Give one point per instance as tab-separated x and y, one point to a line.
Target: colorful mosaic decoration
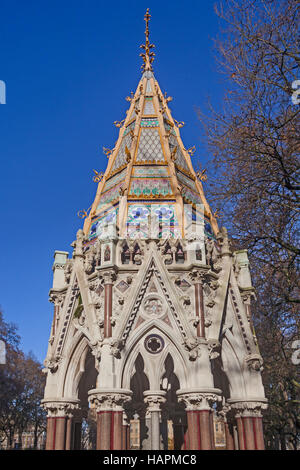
149	123
115	180
103	220
150	171
152	220
150	149
147	187
110	196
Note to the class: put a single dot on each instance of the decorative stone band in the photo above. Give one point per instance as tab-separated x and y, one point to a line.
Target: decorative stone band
252	407
154	399
104	399
199	399
59	408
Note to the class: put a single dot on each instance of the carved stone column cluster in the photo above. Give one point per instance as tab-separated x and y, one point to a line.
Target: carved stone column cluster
61	428
154	400
109	405
199	418
249	424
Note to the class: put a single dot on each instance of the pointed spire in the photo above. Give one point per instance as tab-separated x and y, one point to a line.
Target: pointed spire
147	55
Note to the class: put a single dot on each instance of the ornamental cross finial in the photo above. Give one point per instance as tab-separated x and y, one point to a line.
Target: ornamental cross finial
147	55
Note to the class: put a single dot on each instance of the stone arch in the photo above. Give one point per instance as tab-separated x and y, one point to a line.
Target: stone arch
135	346
174	422
80	363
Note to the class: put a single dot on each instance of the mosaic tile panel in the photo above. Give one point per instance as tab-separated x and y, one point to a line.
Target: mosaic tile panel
152	220
148	171
148	87
148	107
120	159
180	160
110	195
149	122
183	179
190	196
147	187
115	180
106	218
150	149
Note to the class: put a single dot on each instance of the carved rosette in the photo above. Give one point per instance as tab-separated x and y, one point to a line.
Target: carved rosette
60	408
199	400
249	408
109	400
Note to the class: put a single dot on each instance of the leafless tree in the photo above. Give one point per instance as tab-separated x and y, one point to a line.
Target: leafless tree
253	140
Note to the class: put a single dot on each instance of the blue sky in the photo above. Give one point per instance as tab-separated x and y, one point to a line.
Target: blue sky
68	66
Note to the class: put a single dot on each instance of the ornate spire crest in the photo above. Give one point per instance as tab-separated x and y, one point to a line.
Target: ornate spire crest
147	55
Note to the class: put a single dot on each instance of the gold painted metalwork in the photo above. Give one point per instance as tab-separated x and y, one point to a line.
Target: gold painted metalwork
148	55
201	175
128	154
191	150
167	98
217	214
179	123
173	154
130	98
82	214
97	177
107	151
119	123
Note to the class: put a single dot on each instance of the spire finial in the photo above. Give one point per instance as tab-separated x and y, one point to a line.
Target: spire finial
148	55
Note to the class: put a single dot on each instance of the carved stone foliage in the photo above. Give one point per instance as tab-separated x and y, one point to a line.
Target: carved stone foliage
192	345
154	400
109	400
248	408
92	257
51	363
60	408
68	268
198	400
96	290
254	362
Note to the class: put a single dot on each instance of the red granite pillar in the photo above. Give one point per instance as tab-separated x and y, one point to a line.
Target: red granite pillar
60	433
50	439
109	430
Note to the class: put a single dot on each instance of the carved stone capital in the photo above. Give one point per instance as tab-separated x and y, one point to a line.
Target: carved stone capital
154	400
199	274
199	399
63	407
254	362
248	408
108	275
109	399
